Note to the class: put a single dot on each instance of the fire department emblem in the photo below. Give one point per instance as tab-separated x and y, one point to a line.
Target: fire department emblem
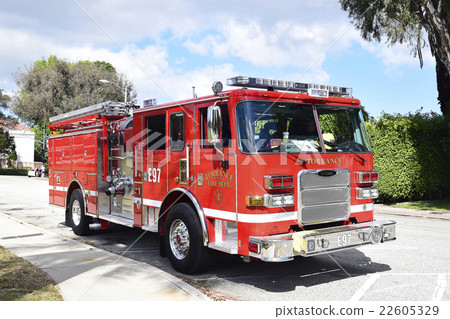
218	196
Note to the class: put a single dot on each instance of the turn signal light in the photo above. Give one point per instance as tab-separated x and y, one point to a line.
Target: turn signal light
254	201
277	182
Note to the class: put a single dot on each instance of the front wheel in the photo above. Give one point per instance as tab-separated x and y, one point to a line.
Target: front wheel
183	240
78	219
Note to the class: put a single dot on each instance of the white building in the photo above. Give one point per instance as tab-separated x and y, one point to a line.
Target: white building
24	140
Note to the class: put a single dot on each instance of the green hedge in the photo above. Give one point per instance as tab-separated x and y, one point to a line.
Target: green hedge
13	171
412	156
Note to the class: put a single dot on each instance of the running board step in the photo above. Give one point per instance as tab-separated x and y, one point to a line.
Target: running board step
117	220
230	246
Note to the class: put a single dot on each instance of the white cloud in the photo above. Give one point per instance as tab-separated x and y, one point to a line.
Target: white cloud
255	33
286	40
397	56
150	71
279	44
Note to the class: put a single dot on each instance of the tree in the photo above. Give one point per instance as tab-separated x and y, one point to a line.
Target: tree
12	157
41	132
7	145
4	100
404	21
53	86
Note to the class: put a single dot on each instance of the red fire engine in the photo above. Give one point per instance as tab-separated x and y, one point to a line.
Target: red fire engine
270	170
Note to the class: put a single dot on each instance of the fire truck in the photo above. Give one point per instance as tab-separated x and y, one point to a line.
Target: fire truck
268	170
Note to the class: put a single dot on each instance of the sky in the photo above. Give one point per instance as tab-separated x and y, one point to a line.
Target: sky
164	47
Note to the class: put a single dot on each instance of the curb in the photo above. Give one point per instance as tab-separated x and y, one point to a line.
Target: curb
383	209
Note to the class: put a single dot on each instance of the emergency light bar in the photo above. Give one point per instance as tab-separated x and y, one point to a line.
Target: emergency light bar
318	90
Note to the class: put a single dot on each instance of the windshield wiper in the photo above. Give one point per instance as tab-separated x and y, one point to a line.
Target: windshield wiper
303	162
345	148
363	161
275	148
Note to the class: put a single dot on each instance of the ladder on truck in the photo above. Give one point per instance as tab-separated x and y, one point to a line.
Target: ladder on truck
105	108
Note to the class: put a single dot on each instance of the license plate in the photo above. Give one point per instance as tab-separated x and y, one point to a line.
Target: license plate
344	240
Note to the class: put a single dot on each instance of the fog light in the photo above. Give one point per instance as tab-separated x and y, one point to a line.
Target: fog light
375	235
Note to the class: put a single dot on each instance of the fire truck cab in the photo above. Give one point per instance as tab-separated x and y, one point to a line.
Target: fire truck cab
270	170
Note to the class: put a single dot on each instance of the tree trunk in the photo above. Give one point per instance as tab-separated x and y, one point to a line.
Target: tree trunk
436	22
443	85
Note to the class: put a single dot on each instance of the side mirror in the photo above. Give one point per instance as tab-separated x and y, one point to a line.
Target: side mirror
214	130
214	124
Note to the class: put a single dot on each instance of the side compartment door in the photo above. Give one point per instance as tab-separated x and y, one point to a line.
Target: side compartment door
62	154
155	171
84	160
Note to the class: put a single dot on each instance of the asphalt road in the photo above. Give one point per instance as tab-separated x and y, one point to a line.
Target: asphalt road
415	267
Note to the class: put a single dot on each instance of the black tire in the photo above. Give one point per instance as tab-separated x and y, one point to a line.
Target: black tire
77	217
183	240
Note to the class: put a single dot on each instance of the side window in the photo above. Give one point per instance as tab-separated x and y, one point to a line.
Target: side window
177	131
226	129
156	132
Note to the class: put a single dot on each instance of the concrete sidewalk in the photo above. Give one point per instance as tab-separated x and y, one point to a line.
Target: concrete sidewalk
83	272
385	209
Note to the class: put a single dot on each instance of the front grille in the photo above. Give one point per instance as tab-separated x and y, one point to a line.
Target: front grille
324	196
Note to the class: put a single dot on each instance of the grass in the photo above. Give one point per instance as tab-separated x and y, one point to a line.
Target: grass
21	281
442	205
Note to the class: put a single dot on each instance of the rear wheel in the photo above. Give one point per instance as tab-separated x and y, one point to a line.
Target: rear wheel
183	239
78	219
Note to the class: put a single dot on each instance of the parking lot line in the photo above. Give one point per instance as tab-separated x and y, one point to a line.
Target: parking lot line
440	288
365	287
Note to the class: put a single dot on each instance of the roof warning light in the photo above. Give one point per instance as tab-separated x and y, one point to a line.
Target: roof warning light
317	90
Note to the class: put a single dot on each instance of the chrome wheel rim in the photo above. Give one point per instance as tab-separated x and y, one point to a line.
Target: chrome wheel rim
76	212
179	239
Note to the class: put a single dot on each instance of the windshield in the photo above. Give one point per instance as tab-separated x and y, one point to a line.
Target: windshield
273	127
277	126
343	129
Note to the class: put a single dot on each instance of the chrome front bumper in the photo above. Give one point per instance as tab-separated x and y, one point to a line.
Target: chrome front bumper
285	247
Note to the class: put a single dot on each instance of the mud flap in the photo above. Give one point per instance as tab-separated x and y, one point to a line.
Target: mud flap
67	218
162	247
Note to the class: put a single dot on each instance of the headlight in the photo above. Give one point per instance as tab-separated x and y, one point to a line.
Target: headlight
367	192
